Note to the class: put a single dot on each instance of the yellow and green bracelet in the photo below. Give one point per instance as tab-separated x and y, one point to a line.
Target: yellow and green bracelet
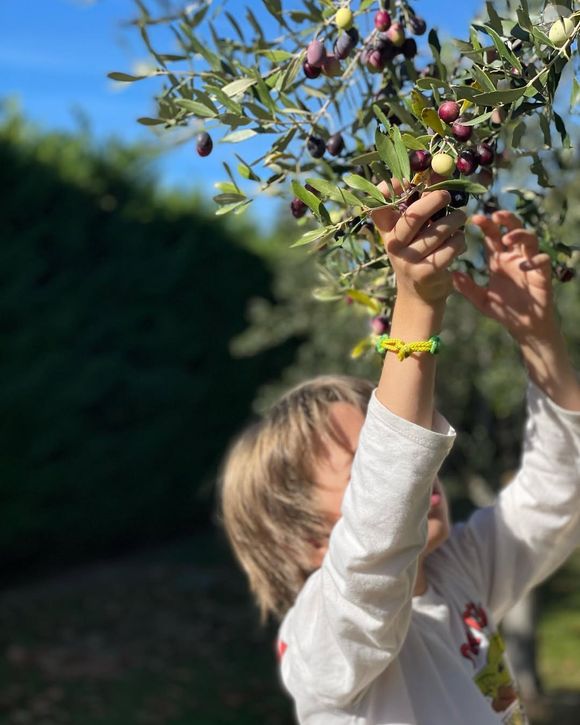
403	349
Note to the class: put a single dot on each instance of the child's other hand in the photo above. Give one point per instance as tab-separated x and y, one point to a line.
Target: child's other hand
421	250
519	292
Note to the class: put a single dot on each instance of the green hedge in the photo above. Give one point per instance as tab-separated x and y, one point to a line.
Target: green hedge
117	390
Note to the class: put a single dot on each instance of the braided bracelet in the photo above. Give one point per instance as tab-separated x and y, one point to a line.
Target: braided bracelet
404	349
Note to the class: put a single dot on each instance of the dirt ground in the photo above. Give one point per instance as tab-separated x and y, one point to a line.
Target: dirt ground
164	637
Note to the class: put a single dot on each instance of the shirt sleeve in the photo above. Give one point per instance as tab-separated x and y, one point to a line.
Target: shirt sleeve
352	615
535	523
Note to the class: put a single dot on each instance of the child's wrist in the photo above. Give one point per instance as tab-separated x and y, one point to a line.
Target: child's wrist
415	318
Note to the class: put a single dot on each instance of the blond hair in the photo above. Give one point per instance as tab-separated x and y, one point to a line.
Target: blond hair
266	487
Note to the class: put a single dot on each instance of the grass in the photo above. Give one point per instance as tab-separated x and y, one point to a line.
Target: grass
170	637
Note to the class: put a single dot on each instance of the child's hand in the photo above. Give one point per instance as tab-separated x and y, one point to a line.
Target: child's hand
421	251
519	293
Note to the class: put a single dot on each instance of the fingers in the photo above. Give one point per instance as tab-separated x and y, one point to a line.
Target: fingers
506	219
432	237
526	239
386	218
471	291
538	270
442	257
491	233
483	299
418	214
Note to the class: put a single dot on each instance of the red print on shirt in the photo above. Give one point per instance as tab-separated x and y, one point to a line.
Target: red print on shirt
474	618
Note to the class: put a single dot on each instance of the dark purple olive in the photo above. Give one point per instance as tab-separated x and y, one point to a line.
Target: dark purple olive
204	144
316	147
298	208
335	144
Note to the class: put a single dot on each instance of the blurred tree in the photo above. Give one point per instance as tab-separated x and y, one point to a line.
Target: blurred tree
117	390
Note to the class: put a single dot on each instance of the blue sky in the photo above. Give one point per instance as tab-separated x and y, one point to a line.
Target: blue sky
55	56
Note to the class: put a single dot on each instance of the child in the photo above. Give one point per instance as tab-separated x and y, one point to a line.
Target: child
334	509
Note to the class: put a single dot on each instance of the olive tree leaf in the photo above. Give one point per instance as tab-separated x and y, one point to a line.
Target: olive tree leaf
411	142
364	299
312	202
236	207
199	109
494	19
494	98
238	86
561	128
575	95
361	184
146	121
313	235
124	77
402	154
388	154
431	120
517	134
238	136
462	184
502	48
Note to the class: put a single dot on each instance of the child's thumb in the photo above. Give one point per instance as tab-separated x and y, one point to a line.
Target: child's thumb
386	218
471	291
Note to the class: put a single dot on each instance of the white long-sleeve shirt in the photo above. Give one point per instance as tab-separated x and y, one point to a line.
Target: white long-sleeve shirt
358	647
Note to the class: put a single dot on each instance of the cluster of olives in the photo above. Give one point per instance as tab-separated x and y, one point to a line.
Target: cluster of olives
390	40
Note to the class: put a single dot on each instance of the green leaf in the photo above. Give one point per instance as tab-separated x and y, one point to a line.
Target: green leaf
418	103
496	97
545	126
413	143
228	198
361	184
275	55
124	77
274	7
146	121
381	116
195	107
236	207
246	171
494	19
226	101
538	169
363	299
239	86
478	119
238	136
482	78
431	119
388	154
342	196
227	187
312	202
517	134
313	235
523	16
575	95
366	158
502	48
402	154
462	184
361	347
561	128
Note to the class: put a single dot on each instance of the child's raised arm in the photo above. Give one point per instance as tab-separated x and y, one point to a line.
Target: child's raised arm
535	524
420	255
351	618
